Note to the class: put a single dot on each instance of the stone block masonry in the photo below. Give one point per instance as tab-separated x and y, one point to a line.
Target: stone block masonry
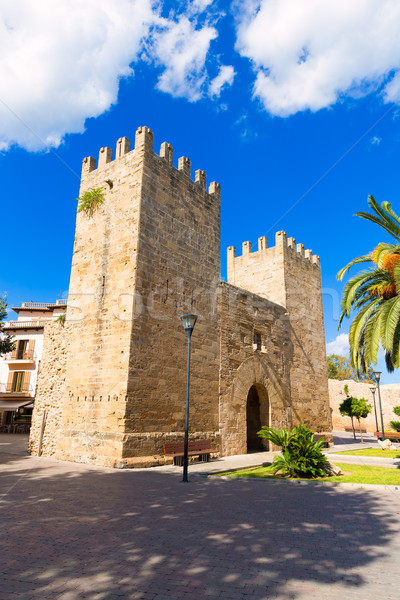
148	253
390	397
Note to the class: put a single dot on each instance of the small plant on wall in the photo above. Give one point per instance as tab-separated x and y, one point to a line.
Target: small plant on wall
61	319
90	200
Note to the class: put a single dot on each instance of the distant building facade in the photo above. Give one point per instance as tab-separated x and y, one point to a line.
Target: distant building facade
111	387
19	368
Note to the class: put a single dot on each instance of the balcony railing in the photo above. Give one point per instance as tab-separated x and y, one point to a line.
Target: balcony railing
35	305
44	305
25	389
15	355
26	324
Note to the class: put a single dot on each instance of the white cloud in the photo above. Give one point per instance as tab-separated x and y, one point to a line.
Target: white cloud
224	78
182	48
376	141
308	54
340	345
61	63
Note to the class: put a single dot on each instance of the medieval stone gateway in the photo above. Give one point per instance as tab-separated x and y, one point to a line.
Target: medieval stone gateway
112	380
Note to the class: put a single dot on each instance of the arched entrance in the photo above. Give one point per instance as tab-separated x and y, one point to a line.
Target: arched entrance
257	415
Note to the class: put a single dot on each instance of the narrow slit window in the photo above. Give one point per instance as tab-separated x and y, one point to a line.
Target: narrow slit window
257	340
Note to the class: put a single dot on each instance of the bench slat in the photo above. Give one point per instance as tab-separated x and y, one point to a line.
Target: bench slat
194	447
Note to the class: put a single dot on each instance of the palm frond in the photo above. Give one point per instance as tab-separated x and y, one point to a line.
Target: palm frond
381	218
371	338
356	329
382	251
390	318
395	354
355	261
366	278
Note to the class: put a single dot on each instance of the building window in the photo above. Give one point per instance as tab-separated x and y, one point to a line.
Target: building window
257	341
22	349
18	381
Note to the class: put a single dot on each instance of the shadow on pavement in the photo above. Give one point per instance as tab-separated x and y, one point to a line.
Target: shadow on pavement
73	531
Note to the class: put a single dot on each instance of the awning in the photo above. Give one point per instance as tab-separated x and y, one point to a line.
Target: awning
13	406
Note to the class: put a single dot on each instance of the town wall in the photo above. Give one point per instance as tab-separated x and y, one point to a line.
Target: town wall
149	253
290	276
243	365
50	391
178	272
390	397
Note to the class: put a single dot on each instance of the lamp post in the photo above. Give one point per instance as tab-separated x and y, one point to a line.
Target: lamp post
188	322
378	378
373	390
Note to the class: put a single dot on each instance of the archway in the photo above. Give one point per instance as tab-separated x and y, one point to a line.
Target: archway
257	414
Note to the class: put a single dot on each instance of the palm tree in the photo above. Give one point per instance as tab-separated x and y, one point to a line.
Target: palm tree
374	295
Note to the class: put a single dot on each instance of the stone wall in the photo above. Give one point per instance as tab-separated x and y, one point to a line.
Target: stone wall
178	272
290	276
390	396
50	389
149	253
243	366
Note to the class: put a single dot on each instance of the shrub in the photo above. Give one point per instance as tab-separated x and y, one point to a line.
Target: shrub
90	200
301	455
396	424
61	319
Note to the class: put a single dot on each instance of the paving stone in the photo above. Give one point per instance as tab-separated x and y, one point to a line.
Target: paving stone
73	531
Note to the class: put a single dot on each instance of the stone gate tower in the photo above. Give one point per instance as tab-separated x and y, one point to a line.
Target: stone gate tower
112	381
148	254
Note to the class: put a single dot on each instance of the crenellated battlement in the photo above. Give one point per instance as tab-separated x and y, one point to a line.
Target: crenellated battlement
282	244
144	140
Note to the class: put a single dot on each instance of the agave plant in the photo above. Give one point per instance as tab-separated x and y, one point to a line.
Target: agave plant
301	455
374	295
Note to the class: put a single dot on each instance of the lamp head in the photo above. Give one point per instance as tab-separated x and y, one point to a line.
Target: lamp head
188	322
377	375
373	389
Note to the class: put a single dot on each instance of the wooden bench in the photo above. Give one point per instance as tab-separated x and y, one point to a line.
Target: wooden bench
202	448
395	435
356	429
320	436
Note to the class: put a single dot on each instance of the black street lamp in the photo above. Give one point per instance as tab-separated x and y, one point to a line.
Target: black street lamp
188	322
373	390
378	378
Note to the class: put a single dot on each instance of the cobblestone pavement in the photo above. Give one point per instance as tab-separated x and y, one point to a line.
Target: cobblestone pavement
71	531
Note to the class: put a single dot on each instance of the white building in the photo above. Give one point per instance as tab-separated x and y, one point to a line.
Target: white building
19	368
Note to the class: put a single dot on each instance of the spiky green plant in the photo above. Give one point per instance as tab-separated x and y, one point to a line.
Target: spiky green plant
373	295
301	455
90	200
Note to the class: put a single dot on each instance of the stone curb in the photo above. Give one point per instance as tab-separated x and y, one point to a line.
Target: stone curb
373	461
365	486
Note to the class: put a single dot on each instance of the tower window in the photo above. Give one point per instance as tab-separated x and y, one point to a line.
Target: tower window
257	340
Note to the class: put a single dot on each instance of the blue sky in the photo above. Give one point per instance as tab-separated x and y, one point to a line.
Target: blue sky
292	106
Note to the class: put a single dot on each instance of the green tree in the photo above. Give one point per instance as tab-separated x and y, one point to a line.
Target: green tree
373	295
6	343
354	408
340	367
396	424
361	410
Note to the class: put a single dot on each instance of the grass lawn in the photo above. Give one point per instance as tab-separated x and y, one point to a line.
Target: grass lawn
354	474
373	452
